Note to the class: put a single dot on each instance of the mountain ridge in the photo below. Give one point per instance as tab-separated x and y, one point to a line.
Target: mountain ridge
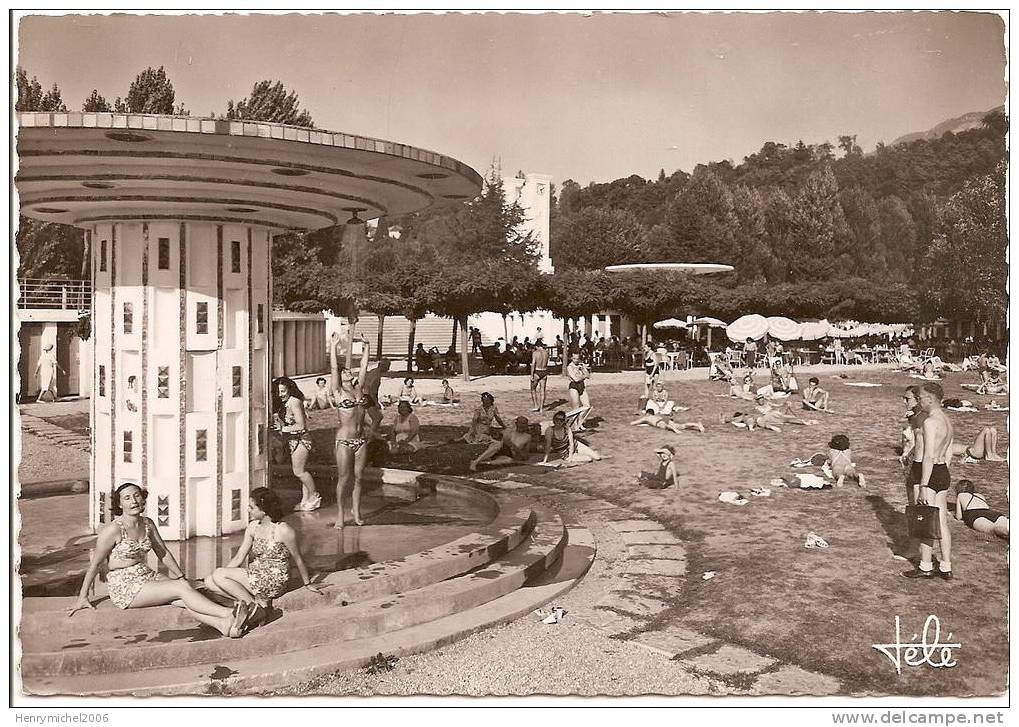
970	120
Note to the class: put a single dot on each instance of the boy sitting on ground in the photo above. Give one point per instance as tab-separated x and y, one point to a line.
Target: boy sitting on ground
814	397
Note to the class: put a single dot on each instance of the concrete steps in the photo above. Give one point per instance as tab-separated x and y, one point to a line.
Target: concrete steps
525	557
264	673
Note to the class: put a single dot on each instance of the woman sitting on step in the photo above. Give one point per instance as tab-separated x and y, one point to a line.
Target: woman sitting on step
124	546
271	543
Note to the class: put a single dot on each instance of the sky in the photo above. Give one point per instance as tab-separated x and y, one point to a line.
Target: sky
582	97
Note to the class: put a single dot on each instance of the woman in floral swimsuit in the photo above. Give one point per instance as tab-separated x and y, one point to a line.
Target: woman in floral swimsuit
271	543
351	403
124	545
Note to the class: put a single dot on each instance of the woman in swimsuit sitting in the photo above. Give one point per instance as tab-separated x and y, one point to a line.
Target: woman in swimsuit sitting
288	407
322	398
405	436
124	546
271	543
578	374
972	508
984	447
408	392
562	445
667	474
993	384
479	431
351	454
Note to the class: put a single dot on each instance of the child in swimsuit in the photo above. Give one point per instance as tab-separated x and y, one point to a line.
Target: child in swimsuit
666	475
840	460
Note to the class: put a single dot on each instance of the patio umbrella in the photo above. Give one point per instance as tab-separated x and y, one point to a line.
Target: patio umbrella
670	323
751	326
784	329
814	330
711	322
835	332
857	331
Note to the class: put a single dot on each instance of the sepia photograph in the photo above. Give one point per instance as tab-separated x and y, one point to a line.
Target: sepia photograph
524	354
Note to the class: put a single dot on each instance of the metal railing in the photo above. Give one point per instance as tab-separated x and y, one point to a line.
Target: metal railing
38	293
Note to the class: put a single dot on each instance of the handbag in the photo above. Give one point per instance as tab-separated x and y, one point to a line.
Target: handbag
923	522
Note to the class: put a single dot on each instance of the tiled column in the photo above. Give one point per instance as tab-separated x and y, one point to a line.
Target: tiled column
181	359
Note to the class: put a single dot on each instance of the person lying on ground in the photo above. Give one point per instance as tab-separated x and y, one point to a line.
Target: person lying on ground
405	436
814	397
984	447
481	429
993	384
972	508
272	544
560	444
840	460
770	416
322	398
124	544
408	393
514	446
663	422
666	475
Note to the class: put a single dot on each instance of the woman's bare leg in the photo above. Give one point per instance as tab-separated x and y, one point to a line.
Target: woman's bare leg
344	479
298	460
360	459
694	425
160	592
490	451
234	582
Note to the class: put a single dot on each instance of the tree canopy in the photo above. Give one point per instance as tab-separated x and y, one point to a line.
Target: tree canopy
270	101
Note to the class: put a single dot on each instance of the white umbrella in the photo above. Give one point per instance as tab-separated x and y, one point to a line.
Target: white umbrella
814	330
857	331
784	329
670	323
835	332
711	322
751	326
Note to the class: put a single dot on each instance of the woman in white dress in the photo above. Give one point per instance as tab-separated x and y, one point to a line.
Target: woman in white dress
46	369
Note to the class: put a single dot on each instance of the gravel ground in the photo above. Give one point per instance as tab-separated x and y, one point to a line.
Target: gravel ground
525	657
45	461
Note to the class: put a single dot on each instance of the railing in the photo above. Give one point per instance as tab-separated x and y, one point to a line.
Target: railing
54	294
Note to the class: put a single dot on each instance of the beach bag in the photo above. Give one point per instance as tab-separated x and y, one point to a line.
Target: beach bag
922	522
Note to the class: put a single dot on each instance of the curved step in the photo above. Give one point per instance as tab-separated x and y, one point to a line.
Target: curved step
124	651
260	674
514	522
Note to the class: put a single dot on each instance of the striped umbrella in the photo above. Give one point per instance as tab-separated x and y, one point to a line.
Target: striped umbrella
751	326
814	330
712	322
784	329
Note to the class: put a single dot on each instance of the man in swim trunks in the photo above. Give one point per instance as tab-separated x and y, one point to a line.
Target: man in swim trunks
539	374
370	388
814	397
514	446
933	480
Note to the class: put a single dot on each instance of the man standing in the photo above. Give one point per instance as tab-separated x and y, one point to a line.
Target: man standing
539	375
934	480
475	342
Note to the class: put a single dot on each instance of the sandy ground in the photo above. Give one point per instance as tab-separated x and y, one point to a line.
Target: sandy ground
821	609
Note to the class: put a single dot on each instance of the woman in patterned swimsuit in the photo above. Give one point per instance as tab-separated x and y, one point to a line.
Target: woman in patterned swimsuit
271	544
292	422
124	544
351	454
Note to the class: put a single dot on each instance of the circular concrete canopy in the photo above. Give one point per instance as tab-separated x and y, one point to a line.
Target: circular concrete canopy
692	268
81	168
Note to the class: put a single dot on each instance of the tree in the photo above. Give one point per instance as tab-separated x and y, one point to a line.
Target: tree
754	256
817	222
31	96
270	101
151	92
96	102
703	222
48	249
848	145
965	269
595	237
